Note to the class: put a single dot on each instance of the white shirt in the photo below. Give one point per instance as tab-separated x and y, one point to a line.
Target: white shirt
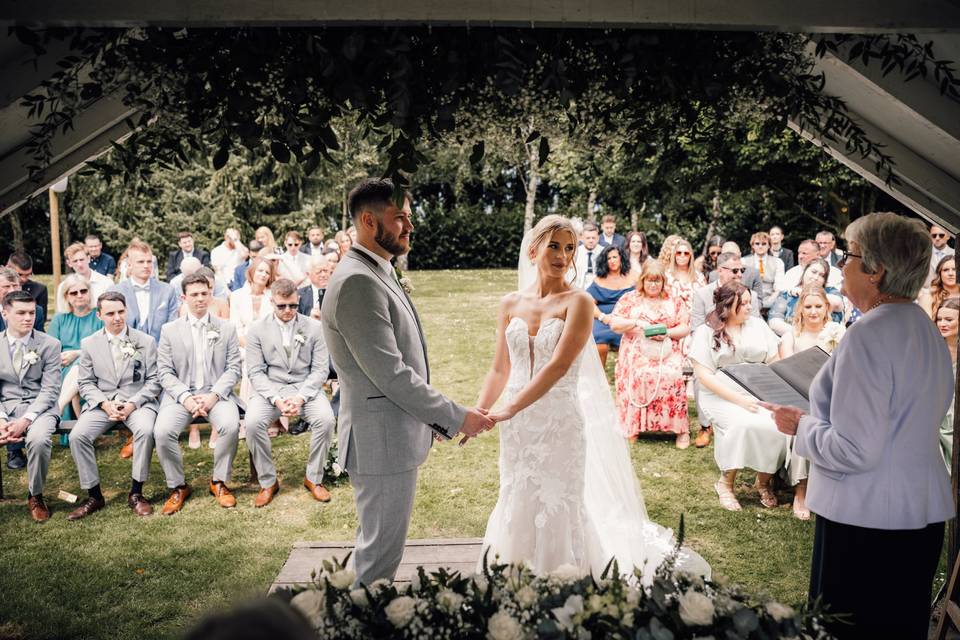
286	331
13	342
198	328
294	267
99	284
224	260
385	265
143	299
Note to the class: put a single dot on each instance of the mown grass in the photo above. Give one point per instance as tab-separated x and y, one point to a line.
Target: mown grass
115	576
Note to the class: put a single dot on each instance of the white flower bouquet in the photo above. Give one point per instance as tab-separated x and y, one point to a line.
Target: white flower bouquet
508	602
31	357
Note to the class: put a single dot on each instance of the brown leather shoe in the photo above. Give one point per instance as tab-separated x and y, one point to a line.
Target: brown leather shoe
139	504
88	506
38	509
126	451
224	498
177	497
265	496
318	491
703	438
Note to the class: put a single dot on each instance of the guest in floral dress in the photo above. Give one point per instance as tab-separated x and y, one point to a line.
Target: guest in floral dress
651	394
613	280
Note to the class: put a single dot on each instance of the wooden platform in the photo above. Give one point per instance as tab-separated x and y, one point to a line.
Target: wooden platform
460	554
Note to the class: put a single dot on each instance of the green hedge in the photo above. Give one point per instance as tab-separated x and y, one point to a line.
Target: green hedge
466	237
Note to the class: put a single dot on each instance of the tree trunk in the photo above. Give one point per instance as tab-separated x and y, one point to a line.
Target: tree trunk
17	230
344	214
533	181
714	217
592	205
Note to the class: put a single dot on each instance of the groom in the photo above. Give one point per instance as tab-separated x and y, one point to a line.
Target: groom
389	412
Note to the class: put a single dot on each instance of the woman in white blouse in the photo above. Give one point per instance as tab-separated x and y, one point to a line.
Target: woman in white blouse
745	434
877	481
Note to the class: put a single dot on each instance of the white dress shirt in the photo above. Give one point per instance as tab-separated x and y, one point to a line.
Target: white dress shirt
385	265
142	292
224	260
22	342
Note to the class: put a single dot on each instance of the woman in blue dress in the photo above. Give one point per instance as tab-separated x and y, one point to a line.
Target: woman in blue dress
70	328
613	280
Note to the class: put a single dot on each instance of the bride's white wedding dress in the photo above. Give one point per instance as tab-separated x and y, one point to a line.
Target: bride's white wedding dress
568	494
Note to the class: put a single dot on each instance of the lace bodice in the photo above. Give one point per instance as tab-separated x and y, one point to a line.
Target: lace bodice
529	354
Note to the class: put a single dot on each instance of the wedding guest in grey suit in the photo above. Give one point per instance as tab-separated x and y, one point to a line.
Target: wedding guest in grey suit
150	303
877	480
389	412
29	387
198	362
118	381
287	362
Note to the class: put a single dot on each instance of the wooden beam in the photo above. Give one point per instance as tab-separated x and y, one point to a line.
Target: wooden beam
851	16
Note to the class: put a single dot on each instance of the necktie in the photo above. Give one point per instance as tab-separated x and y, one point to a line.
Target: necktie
198	353
117	355
18	357
590	261
316	304
760	265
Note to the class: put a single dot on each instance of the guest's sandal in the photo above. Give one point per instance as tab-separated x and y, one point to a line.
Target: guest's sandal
727	499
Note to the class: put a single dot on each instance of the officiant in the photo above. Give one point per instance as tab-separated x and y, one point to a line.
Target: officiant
877	482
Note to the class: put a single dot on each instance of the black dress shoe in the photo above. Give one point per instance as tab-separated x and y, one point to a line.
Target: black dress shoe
16	459
299	428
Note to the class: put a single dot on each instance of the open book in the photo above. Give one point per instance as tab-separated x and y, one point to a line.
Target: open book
785	381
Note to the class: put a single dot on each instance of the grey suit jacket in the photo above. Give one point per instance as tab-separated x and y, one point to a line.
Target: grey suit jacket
703	304
136	382
387	406
271	369
40	385
175	366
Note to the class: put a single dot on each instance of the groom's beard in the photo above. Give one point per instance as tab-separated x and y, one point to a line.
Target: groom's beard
389	242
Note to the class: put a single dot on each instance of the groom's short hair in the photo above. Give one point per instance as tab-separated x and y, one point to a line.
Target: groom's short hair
369	192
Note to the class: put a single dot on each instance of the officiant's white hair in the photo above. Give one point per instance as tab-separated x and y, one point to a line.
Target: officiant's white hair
900	244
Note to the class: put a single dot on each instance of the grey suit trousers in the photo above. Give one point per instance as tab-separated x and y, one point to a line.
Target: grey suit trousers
38	445
94	423
174	418
260	414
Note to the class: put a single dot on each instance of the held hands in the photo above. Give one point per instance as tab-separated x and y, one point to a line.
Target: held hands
13	430
114	410
476	422
786	418
200	405
289	407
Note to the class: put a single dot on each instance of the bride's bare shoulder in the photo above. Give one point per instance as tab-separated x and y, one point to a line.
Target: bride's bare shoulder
510	301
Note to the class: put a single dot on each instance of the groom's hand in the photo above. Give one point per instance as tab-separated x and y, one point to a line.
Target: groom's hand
474	424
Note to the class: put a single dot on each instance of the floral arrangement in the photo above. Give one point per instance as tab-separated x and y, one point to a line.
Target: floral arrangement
212	333
31	357
332	471
829	336
129	350
300	338
405	283
509	602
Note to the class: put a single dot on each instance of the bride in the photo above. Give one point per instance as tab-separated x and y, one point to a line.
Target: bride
568	494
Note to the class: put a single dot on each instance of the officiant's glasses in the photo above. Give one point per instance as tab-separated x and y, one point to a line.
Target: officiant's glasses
843	258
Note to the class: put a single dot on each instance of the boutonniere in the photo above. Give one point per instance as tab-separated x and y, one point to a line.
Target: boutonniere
31	357
405	283
212	334
129	350
299	338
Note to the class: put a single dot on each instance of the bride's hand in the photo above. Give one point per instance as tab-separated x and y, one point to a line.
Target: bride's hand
501	416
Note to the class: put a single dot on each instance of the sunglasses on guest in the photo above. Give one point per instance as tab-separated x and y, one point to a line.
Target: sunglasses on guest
683	253
78	292
938	235
734	269
285	307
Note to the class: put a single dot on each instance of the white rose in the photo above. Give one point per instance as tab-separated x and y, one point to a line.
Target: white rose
379	585
480	584
502	626
527	597
595	602
449	600
400	611
780	612
696	609
566	573
565	614
311	604
342	579
633	597
359	597
337	469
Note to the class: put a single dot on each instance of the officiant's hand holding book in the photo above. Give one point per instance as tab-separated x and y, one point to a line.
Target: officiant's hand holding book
783	383
786	418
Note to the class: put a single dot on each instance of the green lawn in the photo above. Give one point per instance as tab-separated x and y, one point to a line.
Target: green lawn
115	576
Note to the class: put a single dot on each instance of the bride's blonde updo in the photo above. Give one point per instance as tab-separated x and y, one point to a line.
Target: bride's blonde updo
544	230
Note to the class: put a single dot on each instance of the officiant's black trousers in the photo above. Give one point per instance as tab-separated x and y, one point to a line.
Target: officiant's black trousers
881	578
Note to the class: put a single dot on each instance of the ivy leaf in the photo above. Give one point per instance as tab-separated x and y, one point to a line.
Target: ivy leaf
280	152
221	157
476	154
533	136
544	151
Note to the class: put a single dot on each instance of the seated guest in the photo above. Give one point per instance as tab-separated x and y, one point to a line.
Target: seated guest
940	239
768	267
877	480
227	255
240	271
198	363
806	252
651	393
186	250
333	246
706	263
666	251
23	265
942	287
314	244
812	327
612	281
100	261
119	384
746	436
784	307
70	328
29	384
79	261
827	247
609	235
311	296
249	305
777	250
635	247
682	280
293	263
288	363
729	269
343	242
220	308
265	236
948	316
188	266
333	259
750	278
150	303
585	259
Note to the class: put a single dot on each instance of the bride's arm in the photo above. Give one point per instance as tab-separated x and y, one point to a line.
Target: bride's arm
576	330
499	373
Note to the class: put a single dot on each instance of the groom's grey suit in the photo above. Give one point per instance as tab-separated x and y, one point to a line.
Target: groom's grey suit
32	392
387	406
177	369
100	379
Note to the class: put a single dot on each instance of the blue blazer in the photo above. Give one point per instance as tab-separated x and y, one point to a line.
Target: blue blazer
164	306
239	275
618	240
